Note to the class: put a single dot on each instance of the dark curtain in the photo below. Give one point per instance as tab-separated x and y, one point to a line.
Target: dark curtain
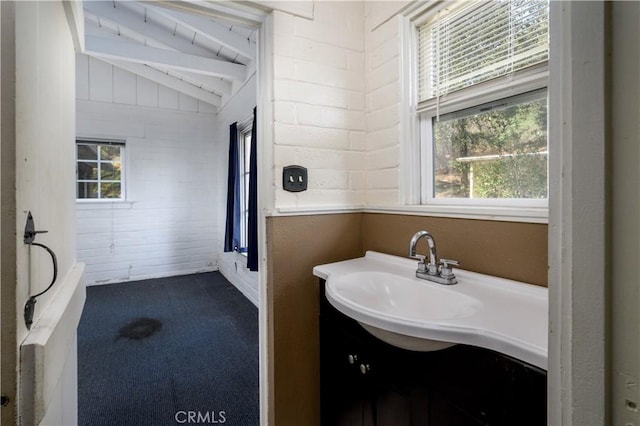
232	228
252	227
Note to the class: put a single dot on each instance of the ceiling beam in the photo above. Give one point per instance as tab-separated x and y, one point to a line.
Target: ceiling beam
133	52
234	12
210	30
214	83
210	83
167	80
127	18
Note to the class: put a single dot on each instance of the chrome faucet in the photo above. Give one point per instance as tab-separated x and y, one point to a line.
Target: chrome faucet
442	272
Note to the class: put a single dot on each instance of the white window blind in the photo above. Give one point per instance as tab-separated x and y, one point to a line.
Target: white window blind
477	41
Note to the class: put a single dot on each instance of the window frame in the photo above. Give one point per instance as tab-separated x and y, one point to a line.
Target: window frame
416	167
427	175
245	130
101	142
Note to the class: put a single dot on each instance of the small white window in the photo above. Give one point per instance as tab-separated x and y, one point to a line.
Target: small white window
481	103
244	154
99	170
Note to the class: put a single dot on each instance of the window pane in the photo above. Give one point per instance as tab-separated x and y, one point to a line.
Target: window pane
87	170
110	171
247	150
87	152
110	190
110	152
495	151
246	191
87	189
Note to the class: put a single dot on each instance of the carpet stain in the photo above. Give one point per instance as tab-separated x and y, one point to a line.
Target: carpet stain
140	328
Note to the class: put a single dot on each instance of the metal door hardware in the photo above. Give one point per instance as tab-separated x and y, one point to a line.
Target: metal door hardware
29	237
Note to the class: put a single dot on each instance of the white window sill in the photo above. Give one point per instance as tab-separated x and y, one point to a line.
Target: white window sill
242	257
506	214
103	204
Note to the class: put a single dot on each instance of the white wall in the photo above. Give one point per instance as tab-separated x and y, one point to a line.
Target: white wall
625	254
99	81
383	108
318	103
233	265
169	221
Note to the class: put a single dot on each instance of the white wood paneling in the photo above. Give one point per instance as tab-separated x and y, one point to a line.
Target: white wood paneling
168	98
162	78
100	81
188	103
124	87
147	92
206	107
82	77
137	53
131	89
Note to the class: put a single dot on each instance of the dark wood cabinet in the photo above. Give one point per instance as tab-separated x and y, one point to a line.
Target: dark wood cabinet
367	382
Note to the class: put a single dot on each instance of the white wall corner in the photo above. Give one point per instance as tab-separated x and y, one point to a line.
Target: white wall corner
577	379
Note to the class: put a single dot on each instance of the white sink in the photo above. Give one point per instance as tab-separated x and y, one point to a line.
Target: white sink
397	296
399	299
382	293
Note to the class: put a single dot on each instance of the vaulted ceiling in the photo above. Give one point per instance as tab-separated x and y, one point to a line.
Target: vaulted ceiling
206	56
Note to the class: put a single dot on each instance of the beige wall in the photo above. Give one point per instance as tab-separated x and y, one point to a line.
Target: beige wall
516	251
295	245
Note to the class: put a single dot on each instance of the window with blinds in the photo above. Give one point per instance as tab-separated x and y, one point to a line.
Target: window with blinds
473	42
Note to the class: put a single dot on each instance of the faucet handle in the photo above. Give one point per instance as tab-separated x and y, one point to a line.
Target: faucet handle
446	271
422	266
447	262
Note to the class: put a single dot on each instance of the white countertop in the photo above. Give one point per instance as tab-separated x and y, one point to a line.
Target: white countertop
511	318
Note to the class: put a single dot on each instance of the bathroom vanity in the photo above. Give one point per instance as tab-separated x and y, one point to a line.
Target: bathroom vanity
368	381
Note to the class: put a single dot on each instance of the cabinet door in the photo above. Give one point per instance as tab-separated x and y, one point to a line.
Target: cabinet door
345	390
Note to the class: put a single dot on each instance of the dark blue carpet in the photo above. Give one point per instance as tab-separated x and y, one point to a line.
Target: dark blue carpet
193	352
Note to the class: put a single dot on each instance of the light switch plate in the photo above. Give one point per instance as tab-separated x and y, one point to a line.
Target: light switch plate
294	178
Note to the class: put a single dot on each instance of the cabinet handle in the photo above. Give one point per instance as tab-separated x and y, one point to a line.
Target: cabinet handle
352	359
364	368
